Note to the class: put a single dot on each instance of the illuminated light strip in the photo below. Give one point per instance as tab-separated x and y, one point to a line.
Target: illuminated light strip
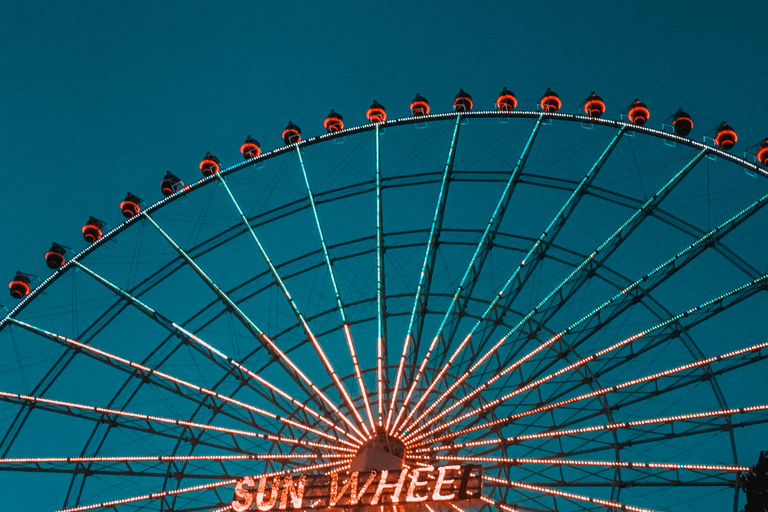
339	303
571	202
481	246
636	216
303	321
572	366
502	506
169	458
250	325
381	337
268	384
429	258
224	509
526	114
760	202
180	331
564	494
456	507
160	419
599	463
603	391
601	428
175	380
202	487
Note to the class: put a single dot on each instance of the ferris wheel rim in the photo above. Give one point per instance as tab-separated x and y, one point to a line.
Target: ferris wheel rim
365	128
525	114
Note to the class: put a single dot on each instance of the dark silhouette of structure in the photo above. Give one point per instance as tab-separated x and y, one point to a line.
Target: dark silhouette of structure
755	486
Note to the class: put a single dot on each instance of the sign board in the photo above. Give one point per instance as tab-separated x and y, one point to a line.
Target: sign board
406	489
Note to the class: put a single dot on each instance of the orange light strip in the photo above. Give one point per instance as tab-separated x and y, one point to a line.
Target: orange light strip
169	458
181	382
268	384
570	495
161	419
600	463
163	494
600	428
603	391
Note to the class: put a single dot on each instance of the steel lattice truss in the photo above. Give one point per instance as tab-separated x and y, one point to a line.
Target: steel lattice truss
561	306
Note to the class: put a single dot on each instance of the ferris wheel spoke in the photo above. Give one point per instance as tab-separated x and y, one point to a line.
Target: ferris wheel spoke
695	314
196	339
382	354
609	309
697	423
152	375
299	315
339	302
151	466
468	281
418	312
515	283
299	377
212	353
140	422
737	359
163	495
554	492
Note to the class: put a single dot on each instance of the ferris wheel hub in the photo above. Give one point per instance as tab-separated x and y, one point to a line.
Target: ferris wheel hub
382	451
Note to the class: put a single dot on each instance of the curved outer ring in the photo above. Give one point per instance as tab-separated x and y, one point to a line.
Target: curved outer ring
529	114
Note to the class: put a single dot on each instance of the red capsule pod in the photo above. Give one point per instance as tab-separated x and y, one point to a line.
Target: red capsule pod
250	148
726	137
550	102
594	106
209	165
638	113
682	123
170	184
462	102
92	230
19	286
291	134
762	153
419	106
54	258
130	206
376	113
506	101
334	122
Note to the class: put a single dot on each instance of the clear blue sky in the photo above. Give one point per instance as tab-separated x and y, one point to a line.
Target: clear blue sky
98	98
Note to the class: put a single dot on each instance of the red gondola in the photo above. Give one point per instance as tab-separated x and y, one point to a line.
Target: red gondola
726	137
506	101
92	230
419	106
594	106
376	112
209	165
130	206
638	113
550	102
170	184
19	286
250	148
54	258
682	123
762	153
291	134
462	102
334	122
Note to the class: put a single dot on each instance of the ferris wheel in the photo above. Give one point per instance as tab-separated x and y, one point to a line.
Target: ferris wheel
488	310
